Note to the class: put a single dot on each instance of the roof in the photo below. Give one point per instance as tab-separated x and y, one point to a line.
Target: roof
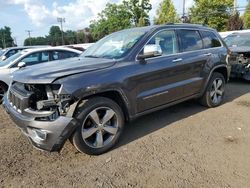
24	47
170	25
30	50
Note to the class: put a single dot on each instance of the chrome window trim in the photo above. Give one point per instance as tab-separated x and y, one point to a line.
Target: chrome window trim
174	29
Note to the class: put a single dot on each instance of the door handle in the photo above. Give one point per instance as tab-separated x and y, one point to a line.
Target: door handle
177	60
208	54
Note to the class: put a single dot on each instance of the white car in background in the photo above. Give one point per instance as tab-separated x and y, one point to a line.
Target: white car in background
30	57
227	33
8	52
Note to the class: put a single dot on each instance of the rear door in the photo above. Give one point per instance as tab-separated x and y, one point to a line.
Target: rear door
193	59
216	53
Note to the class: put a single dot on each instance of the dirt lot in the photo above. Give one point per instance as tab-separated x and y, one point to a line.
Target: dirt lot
183	146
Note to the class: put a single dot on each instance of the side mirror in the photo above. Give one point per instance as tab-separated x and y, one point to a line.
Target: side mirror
21	64
150	50
3	58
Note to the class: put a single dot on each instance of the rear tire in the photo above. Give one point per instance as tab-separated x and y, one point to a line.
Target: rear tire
215	91
102	123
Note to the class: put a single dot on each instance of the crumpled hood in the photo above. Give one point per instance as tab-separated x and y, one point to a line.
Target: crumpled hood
240	49
50	71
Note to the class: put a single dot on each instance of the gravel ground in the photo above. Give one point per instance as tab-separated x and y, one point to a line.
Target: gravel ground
183	146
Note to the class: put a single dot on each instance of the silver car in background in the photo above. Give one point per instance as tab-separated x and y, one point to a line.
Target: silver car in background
8	52
30	57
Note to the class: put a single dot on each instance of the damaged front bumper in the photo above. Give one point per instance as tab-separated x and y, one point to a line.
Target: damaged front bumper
45	135
239	70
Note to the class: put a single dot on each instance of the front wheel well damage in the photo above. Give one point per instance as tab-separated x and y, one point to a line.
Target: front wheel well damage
113	95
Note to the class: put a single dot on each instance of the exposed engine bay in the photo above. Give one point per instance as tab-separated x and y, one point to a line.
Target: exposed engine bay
241	65
239	45
40	97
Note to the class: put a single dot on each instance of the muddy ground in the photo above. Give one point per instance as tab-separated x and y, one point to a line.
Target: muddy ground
183	146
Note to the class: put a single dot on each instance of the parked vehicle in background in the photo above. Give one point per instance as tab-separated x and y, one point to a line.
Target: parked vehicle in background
227	33
239	44
6	53
1	52
81	47
125	75
30	57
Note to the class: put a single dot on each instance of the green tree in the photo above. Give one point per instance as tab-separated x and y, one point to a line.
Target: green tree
113	18
235	22
214	13
246	16
166	13
139	10
54	36
35	41
70	37
5	37
81	37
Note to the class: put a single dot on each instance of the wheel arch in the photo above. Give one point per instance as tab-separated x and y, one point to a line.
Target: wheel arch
220	69
223	71
115	95
4	84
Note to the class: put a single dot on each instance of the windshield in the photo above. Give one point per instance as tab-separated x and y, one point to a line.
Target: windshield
10	59
116	45
238	40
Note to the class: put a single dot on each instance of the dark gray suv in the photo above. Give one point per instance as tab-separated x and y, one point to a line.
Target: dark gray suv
125	75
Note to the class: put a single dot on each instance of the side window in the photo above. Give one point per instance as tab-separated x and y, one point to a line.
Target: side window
167	41
60	54
210	40
190	40
44	56
31	59
10	53
71	54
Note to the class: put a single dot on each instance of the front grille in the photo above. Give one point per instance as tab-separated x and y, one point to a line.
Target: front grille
19	97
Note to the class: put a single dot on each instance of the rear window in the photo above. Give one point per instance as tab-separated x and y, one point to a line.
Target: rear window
190	40
210	40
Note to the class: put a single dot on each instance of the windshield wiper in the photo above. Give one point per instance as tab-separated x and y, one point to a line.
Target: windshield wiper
92	56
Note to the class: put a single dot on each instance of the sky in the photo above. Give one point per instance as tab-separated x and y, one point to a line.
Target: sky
39	15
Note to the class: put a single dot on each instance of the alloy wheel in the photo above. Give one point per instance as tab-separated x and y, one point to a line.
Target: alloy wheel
217	91
99	127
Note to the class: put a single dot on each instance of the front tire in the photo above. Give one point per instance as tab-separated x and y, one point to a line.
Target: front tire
102	122
215	91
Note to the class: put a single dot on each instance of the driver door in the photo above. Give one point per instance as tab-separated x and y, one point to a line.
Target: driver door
159	81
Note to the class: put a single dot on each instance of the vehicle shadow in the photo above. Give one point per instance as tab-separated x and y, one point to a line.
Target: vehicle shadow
155	121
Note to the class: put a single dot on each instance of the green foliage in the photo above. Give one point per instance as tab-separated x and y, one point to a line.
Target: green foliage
5	37
113	18
139	10
235	22
214	13
55	36
246	16
70	37
35	41
166	13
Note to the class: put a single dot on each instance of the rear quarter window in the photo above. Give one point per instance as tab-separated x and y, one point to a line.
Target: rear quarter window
190	40
210	40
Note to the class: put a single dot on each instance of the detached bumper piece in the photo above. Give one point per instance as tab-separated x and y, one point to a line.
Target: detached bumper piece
44	132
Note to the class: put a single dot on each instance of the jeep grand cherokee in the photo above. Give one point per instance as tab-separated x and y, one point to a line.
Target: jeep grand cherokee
125	75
